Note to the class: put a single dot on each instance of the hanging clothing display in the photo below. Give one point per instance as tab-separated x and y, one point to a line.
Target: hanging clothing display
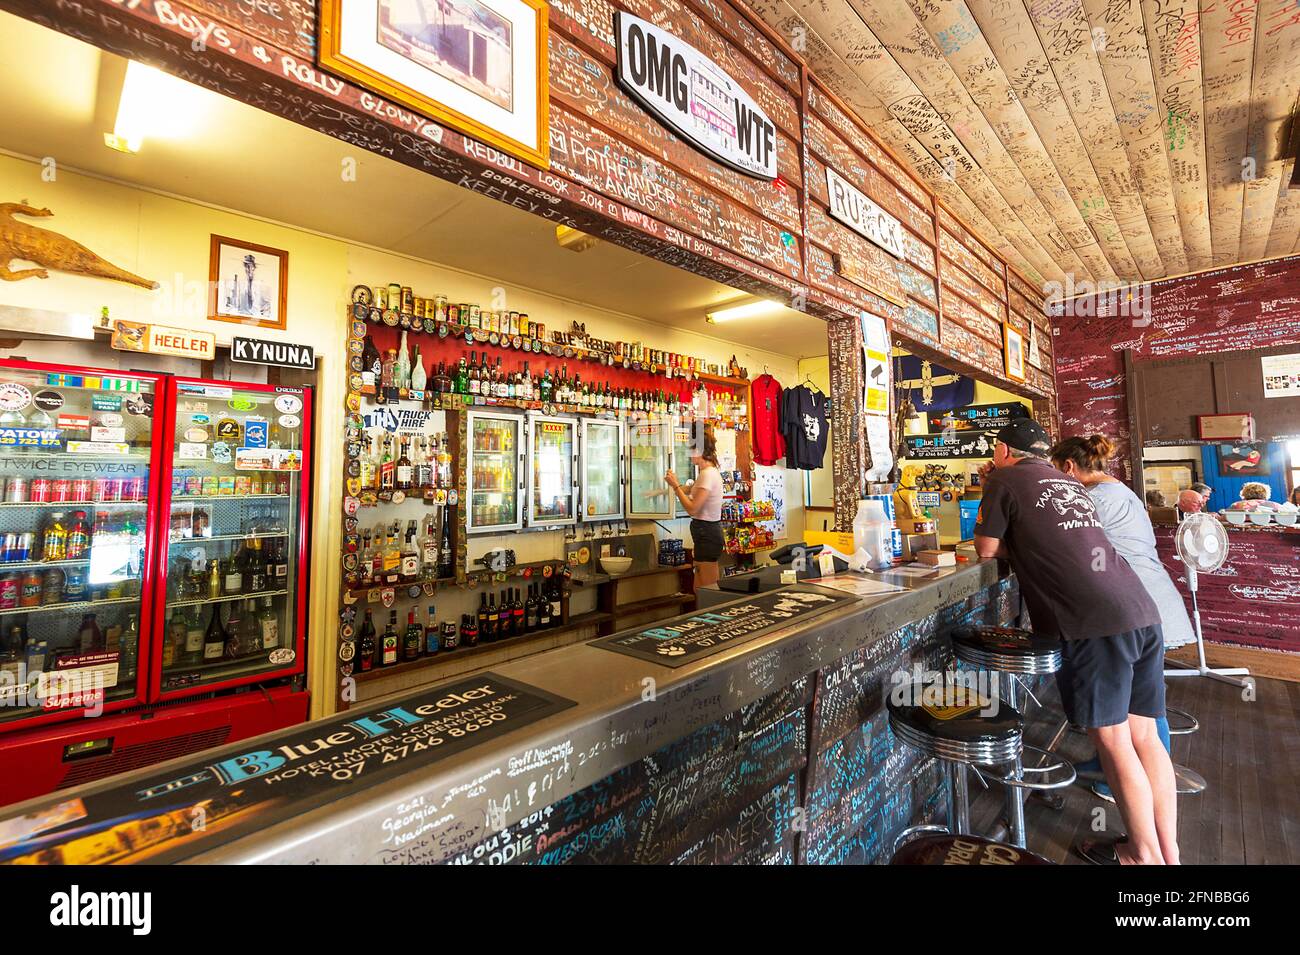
804	427
765	400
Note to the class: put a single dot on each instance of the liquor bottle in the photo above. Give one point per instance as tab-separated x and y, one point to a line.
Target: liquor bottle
388	654
250	629
431	634
388	381
472	378
403	369
405	471
387	467
483	632
366	647
392	556
531	609
174	639
268	625
422	476
371	367
410	555
518	625
367	560
462	377
279	579
234	648
543	609
446	556
193	635
429	551
233	581
255	572
556	598
214	640
413	640
469	631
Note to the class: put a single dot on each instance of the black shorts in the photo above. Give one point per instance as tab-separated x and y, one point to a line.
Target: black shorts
707	536
1104	679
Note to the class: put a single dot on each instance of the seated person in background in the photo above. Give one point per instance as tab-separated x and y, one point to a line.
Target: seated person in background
1295	496
1195	499
1255	497
1155	498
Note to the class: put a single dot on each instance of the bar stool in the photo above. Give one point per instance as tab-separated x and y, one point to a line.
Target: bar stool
1009	652
954	725
947	849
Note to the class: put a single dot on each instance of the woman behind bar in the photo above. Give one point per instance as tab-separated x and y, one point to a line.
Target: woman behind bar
1128	527
704	504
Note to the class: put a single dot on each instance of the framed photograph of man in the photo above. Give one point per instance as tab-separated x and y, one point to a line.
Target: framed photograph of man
477	66
248	283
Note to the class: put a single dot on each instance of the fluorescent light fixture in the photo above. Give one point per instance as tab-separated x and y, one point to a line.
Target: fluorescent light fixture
749	310
153	104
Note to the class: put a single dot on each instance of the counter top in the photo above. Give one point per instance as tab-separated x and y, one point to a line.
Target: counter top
594	712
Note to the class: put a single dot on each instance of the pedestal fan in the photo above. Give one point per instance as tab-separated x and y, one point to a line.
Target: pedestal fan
1202	546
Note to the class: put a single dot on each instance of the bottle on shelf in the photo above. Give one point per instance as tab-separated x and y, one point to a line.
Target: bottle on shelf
367	644
389	650
413	639
432	634
269	625
214	638
469	631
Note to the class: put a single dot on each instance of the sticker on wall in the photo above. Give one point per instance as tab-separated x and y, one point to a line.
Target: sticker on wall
282	656
354	486
350	562
73	422
221	452
387	596
14	397
48	400
139	404
347	649
228	430
354	471
356	346
110	420
97	447
351	505
241	403
354	402
359	327
255	432
108	434
30	438
361	294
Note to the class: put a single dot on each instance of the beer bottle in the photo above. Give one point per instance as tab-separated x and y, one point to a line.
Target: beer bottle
366	648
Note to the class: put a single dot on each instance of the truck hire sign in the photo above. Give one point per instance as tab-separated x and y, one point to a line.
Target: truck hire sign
693	97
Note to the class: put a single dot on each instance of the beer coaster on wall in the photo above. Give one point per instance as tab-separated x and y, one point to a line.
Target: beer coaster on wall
361	294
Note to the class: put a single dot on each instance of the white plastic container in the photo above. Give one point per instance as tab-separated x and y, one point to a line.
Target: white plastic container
871	534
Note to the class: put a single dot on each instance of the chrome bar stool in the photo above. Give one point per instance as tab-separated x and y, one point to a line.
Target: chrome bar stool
960	728
947	849
1010	652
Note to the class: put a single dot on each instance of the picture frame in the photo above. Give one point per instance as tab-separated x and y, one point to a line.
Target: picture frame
1014	349
477	66
248	283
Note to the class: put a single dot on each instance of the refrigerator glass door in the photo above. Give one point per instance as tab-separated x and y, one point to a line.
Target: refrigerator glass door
234	603
552	488
648	454
494	471
78	461
682	466
602	470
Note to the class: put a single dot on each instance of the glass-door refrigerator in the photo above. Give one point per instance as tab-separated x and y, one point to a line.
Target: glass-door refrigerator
231	602
601	469
649	454
683	438
80	451
552	470
495	463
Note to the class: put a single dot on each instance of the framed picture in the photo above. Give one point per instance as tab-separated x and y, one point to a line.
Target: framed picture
478	66
248	283
1243	460
1015	353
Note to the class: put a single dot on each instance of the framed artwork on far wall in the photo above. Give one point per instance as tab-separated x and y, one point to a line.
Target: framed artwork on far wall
1015	353
478	66
247	283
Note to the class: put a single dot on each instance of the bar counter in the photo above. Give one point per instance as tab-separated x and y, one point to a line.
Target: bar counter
771	747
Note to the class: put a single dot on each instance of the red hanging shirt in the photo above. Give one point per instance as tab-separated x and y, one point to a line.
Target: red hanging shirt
765	397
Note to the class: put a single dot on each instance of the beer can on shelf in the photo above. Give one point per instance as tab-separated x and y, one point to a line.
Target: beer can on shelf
381	297
40	489
408	300
9	548
26	546
9	587
394	296
440	308
16	491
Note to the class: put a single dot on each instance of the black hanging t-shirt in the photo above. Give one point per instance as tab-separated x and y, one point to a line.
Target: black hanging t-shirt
804	427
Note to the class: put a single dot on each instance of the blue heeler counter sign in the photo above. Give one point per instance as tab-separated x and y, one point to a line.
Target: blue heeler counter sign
693	97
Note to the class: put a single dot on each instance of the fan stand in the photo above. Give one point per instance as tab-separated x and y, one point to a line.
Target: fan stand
1230	675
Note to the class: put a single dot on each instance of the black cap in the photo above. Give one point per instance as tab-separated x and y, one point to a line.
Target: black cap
1025	434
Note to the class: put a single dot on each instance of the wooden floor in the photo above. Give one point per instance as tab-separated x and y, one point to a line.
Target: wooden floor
1248	752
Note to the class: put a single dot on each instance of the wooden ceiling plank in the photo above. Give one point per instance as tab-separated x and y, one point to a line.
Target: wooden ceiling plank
1274	86
1228	53
1120	43
1174	41
1284	234
955	32
1066	36
1011	35
926	68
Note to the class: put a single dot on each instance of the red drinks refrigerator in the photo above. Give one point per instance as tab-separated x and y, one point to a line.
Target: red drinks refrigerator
153	537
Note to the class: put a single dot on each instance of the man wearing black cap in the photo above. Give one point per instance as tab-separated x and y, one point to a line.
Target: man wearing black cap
1078	589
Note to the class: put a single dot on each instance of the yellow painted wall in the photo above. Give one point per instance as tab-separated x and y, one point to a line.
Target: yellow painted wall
167	239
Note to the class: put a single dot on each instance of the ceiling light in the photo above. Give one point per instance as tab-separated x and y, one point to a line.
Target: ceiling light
573	239
152	104
749	310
